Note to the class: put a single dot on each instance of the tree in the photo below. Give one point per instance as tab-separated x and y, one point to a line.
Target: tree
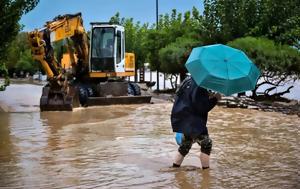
135	40
279	21
169	47
275	19
26	63
19	57
173	57
116	19
4	81
177	33
279	64
10	14
183	33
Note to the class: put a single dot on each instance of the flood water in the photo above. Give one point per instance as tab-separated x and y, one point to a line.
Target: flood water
132	146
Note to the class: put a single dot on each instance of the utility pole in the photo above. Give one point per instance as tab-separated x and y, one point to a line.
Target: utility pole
157	74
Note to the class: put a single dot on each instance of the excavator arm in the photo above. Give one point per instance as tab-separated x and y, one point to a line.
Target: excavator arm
58	93
39	51
67	27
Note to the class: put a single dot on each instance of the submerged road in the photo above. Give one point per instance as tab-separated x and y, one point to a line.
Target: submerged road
132	146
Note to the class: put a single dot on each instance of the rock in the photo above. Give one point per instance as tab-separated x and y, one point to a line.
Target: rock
294	103
280	104
222	103
231	105
268	110
230	98
253	107
241	105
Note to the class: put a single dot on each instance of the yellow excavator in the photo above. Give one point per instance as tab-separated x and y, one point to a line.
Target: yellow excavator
94	69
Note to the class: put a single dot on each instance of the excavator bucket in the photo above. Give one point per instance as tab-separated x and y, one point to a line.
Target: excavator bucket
55	100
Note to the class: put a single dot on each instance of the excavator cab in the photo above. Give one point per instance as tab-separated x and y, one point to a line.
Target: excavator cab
107	52
107	48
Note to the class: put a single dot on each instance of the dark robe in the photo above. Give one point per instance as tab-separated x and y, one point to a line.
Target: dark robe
190	109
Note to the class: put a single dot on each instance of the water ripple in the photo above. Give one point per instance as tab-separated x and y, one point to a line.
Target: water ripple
133	147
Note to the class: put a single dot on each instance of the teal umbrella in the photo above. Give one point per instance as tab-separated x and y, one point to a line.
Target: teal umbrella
222	69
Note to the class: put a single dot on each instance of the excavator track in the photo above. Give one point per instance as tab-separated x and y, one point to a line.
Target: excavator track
57	99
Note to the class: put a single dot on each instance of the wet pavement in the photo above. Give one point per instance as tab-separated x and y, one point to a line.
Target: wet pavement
132	146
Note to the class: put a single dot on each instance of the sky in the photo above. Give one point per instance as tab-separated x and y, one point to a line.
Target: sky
102	10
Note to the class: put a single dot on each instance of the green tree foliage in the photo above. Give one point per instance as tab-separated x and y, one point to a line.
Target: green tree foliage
279	64
4	81
177	33
168	45
227	20
116	19
154	42
19	56
275	19
135	39
279	21
26	63
10	14
173	57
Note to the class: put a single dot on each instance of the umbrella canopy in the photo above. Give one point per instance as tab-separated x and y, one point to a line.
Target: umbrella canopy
222	68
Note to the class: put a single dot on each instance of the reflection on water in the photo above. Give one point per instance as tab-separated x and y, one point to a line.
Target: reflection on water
133	146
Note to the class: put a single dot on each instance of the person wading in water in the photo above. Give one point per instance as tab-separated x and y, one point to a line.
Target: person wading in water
189	118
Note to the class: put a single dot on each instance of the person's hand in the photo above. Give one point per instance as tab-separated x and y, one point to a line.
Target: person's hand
215	95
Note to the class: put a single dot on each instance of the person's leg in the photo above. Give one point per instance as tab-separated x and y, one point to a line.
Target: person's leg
178	159
204	158
206	145
183	150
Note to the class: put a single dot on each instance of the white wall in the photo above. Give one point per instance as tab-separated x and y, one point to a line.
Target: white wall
161	79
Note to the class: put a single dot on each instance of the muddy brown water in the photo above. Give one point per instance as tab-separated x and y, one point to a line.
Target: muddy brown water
132	146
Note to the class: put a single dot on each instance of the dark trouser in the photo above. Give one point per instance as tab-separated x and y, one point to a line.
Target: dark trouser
203	140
